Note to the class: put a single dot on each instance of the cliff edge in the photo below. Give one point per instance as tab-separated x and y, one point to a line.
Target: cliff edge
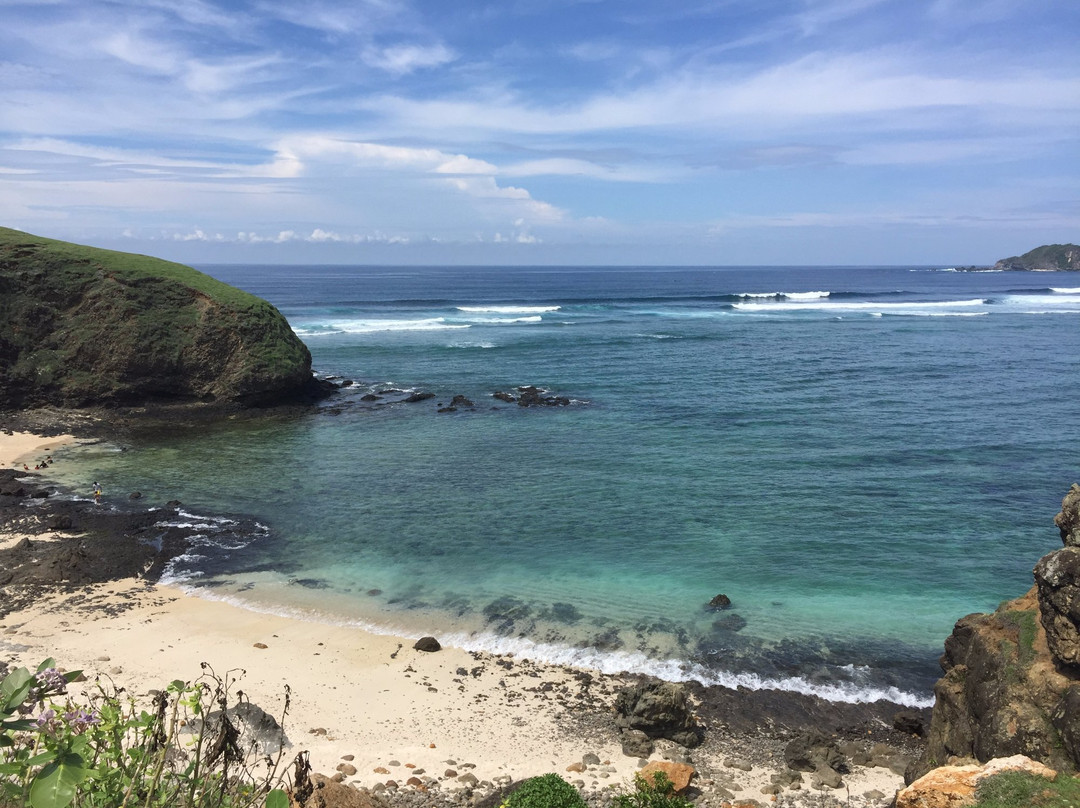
1012	678
1064	257
81	326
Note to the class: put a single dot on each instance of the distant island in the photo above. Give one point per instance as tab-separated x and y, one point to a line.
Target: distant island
1047	258
81	326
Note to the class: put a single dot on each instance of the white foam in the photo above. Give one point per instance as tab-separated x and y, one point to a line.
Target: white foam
913	307
1068	290
806	295
508	309
673	670
373	326
617	662
1059	302
536	318
759	294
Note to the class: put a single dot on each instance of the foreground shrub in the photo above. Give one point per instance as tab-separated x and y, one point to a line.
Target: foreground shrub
545	791
660	793
105	752
1022	790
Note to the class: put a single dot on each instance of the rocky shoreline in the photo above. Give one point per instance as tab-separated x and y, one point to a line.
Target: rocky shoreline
71	548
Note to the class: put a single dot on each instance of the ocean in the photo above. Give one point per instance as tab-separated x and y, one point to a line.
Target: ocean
856	457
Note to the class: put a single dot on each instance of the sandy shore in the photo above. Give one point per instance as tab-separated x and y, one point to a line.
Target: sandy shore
394	709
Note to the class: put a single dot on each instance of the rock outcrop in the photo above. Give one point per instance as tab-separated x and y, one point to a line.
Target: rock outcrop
660	710
81	326
1012	678
1050	256
954	786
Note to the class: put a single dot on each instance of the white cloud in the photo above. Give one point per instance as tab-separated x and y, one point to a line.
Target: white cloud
403	59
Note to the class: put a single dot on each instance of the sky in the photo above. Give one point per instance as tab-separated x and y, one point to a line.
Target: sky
717	132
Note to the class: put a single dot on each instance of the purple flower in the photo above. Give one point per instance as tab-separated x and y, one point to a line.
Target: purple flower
50	680
47	722
79	721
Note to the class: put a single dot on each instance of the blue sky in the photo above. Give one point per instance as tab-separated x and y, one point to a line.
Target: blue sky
533	131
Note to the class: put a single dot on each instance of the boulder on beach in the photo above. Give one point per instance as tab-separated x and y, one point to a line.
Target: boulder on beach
428	644
660	710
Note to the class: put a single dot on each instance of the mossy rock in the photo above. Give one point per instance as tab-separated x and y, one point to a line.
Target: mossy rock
81	326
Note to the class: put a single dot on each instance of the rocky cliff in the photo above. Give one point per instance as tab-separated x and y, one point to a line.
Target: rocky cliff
81	326
1049	256
1012	678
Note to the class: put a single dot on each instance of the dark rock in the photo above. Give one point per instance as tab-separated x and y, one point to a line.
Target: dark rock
58	521
660	710
417	397
370	397
13	489
812	751
40	493
720	602
346	383
636	743
909	722
1068	520
429	644
1066	720
256	727
173	503
447	409
8	501
1057	579
135	495
461	401
509	399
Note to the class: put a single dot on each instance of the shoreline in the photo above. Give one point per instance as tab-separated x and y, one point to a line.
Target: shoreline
375	698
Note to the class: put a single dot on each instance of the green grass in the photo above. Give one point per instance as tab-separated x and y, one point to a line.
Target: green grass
81	325
127	266
1021	790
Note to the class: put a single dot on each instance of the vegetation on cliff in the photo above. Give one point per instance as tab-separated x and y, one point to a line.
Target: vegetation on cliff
81	326
1049	256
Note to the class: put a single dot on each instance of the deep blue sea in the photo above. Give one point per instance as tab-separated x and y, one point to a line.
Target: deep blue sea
856	457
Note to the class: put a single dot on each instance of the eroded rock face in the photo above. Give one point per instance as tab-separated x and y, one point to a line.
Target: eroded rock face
1012	678
1057	578
1068	520
998	693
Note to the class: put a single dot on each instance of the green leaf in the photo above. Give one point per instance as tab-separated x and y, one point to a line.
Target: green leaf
48	663
71	676
18	725
277	799
14	688
40	760
11	768
55	786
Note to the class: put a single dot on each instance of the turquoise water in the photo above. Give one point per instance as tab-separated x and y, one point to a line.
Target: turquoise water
856	457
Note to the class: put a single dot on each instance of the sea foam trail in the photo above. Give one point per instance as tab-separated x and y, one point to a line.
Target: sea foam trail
1067	290
508	309
832	306
373	326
